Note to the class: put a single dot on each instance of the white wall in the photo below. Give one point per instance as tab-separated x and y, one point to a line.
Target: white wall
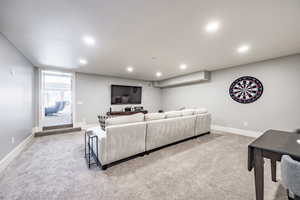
278	108
17	113
93	96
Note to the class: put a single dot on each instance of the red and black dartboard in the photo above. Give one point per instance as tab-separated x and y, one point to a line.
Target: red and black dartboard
246	89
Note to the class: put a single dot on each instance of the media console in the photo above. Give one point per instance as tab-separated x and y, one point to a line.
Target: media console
125	112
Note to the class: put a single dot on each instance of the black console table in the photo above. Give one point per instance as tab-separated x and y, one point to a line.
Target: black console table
90	150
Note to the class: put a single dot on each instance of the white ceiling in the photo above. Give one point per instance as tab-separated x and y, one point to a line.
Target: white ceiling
131	32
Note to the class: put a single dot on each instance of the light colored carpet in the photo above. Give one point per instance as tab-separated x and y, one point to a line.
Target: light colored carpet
212	167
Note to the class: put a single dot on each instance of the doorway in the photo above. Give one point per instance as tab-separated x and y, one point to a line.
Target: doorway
56	99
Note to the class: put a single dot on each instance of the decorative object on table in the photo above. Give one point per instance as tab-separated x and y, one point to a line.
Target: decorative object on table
246	89
127	109
102	119
138	108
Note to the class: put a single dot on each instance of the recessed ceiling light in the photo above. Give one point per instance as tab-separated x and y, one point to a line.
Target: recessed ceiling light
129	69
89	40
243	48
212	27
183	66
158	74
83	61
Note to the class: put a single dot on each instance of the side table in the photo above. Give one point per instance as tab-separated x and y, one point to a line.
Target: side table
90	140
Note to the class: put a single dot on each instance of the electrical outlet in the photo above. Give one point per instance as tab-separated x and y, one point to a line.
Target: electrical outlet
12	72
245	123
12	140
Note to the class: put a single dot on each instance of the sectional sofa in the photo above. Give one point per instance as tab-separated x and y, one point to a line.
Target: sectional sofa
139	134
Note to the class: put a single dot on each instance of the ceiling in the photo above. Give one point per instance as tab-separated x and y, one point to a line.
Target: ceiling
150	36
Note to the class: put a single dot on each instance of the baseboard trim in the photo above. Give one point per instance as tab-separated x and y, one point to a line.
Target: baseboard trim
14	153
254	134
86	126
36	129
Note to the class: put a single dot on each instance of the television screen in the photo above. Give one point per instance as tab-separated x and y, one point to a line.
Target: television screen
126	94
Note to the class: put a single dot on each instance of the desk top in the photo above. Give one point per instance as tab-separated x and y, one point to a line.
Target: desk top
278	141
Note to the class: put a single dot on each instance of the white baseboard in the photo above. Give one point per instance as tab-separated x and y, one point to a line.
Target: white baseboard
15	152
79	124
36	129
86	126
217	128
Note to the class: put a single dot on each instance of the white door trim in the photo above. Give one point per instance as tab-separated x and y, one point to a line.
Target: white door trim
41	92
73	98
40	103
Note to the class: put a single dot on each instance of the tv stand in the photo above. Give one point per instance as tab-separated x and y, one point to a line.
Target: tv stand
115	113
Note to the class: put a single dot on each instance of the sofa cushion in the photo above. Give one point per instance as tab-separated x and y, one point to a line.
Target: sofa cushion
172	114
167	131
102	120
154	116
201	111
187	112
139	117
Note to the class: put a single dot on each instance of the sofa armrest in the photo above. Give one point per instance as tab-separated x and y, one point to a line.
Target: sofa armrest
124	140
203	123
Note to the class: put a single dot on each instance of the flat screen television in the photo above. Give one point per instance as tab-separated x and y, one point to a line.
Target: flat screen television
121	94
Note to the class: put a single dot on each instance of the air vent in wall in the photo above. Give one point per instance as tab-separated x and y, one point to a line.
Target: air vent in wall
197	77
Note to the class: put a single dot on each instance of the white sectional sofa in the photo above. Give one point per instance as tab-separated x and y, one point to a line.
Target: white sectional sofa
137	134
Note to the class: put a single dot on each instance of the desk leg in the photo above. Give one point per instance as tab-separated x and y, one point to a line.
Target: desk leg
259	174
273	170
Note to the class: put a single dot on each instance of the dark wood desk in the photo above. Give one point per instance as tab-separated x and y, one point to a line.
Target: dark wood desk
272	145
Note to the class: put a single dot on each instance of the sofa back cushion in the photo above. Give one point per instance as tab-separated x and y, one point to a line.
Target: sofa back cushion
167	131
173	114
187	112
139	117
154	116
201	111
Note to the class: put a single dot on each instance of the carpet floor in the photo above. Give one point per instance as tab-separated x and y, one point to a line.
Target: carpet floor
211	167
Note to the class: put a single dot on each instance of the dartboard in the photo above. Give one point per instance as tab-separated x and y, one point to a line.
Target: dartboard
246	89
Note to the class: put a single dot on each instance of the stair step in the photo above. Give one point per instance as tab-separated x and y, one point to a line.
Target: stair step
46	128
57	131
